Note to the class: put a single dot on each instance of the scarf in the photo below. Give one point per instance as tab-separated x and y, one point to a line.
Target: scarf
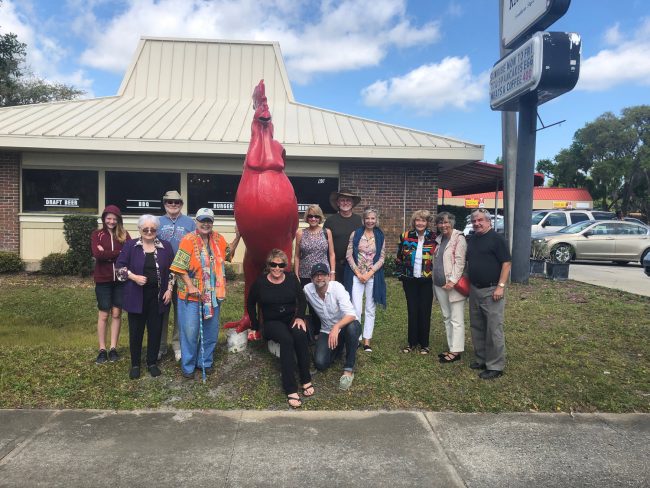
379	284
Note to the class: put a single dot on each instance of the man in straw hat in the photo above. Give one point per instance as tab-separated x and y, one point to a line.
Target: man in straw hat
342	224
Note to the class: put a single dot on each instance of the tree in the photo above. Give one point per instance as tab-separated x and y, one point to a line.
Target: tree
611	158
18	85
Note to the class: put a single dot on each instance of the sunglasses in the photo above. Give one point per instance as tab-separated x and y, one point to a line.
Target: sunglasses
149	230
310	216
277	265
173	202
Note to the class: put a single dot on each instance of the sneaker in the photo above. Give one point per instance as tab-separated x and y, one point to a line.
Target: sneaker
346	381
367	348
134	374
102	357
112	355
177	356
154	370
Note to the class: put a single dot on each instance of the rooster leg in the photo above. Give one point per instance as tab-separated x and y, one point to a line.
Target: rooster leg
251	271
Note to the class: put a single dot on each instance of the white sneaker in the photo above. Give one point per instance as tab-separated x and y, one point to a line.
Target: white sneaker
177	355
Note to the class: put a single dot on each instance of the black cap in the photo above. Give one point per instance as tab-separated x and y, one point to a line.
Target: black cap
319	268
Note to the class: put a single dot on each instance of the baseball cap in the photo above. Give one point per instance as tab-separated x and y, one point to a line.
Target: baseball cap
204	214
319	268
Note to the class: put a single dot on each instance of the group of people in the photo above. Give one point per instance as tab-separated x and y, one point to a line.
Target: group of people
338	272
175	260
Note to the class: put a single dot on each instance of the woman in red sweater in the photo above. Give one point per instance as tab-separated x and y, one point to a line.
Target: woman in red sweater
106	244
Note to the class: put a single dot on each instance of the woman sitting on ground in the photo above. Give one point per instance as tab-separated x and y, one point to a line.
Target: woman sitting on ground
282	305
144	265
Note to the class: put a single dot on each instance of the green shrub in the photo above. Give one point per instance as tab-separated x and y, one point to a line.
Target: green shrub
77	230
56	264
390	266
231	272
10	262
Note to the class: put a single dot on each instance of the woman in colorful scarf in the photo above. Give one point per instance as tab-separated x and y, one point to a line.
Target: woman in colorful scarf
144	265
200	265
414	252
364	273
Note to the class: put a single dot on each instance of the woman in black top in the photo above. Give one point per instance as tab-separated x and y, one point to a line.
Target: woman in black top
282	306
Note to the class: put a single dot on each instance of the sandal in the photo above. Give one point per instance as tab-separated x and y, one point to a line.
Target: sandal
295	399
305	389
407	349
424	351
450	357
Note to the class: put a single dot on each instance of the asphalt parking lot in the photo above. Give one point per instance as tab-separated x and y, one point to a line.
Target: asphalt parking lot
630	278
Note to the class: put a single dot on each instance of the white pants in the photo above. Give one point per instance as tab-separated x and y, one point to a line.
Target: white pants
453	315
358	290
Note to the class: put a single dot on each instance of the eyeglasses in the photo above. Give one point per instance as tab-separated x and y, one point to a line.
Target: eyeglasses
310	216
173	202
277	265
149	230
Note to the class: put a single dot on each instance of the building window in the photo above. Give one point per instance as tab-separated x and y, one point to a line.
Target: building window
139	192
212	191
218	192
314	189
60	191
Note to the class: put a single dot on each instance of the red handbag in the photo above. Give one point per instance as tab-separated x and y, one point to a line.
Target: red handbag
462	286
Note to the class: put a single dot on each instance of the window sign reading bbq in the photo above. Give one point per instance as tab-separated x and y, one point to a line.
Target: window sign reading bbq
217	192
59	191
138	193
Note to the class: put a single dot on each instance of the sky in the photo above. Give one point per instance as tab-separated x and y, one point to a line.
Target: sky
420	64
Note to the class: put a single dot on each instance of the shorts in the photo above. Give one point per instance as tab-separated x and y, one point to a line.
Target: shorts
109	295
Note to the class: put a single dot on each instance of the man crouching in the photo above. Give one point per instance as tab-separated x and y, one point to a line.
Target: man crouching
340	326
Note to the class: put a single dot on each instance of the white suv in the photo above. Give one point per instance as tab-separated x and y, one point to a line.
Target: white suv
544	221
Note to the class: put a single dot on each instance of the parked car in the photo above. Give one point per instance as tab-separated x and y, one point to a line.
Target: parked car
554	220
608	240
499	227
646	263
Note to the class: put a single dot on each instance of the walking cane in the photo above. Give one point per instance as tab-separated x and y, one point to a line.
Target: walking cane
201	337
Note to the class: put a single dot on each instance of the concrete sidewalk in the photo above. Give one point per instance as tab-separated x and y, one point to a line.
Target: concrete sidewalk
83	448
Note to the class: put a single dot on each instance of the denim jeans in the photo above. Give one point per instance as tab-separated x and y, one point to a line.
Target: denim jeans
188	322
348	338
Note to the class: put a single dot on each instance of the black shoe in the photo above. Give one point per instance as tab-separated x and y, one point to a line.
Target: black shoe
112	355
134	374
188	376
209	370
154	370
102	357
367	348
490	374
476	365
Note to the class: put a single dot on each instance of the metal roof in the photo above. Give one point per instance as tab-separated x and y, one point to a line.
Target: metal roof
475	178
194	97
539	193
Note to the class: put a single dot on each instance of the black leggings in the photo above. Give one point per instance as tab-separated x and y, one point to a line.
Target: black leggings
419	300
293	345
152	318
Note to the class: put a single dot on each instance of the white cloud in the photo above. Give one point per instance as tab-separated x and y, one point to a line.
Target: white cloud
628	62
339	35
613	34
44	53
431	87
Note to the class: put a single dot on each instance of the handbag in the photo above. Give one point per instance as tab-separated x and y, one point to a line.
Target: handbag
462	285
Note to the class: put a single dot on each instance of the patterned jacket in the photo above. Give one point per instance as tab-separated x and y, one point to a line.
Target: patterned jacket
406	249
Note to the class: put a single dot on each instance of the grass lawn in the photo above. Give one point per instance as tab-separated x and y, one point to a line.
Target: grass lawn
571	347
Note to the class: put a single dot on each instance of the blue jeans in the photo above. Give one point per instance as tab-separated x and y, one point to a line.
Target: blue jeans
348	338
188	322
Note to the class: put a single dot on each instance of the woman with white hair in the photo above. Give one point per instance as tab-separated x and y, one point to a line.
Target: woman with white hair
144	265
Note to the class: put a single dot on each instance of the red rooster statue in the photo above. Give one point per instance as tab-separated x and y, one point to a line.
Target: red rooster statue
266	210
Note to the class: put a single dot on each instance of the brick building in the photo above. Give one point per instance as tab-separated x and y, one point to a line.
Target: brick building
181	120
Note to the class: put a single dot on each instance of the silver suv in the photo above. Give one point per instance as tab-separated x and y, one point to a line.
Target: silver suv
544	221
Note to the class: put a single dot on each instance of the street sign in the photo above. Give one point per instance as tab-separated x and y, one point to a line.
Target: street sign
521	17
547	64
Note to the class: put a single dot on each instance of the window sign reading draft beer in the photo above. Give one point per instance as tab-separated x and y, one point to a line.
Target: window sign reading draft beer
137	193
59	191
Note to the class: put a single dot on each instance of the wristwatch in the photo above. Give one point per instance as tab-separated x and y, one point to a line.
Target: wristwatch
502	285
